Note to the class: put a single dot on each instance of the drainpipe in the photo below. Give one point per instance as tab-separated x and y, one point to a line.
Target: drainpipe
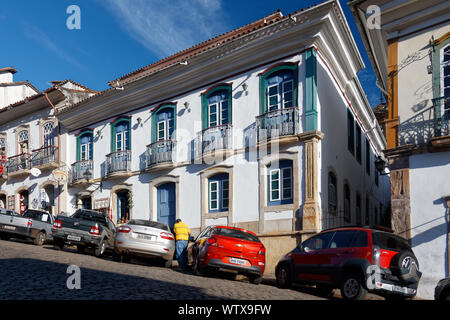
59	151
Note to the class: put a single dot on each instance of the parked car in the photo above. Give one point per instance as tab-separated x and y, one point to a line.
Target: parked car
347	258
228	249
145	238
34	225
442	290
85	229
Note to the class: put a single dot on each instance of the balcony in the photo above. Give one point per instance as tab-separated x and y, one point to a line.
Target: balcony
81	172
18	165
159	155
118	164
425	127
214	143
45	158
282	125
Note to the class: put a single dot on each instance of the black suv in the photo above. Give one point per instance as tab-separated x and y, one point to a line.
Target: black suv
355	260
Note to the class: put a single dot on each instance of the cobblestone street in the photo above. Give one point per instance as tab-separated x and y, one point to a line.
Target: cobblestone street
32	272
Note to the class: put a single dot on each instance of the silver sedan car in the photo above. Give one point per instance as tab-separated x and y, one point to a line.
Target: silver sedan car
145	238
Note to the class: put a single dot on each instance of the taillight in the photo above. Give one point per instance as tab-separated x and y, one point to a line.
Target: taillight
262	251
57	224
95	230
376	256
29	223
166	235
124	229
212	242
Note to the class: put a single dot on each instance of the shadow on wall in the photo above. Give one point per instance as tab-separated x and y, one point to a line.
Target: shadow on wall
44	280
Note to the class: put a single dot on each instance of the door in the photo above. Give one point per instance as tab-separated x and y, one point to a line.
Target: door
123	209
166	204
23	201
307	258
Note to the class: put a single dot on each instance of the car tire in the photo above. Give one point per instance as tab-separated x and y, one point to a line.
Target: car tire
167	263
40	239
100	249
405	266
196	268
59	244
81	249
283	277
352	288
255	279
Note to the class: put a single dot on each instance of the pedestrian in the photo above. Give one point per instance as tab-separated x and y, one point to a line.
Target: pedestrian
182	234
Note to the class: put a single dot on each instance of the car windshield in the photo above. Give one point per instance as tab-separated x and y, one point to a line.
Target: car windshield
390	241
148	223
234	233
36	215
90	215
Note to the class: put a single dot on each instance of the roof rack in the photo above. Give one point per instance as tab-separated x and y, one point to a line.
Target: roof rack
375	227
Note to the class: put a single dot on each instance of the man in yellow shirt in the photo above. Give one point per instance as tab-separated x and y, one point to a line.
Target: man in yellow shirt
182	233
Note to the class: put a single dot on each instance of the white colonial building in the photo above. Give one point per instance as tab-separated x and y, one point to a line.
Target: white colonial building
29	143
265	127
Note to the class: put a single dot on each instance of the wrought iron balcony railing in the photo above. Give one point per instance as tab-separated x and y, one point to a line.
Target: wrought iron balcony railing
214	139
81	170
18	163
44	156
118	161
160	152
278	123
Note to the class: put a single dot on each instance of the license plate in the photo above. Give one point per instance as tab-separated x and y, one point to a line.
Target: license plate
9	227
237	261
145	237
74	238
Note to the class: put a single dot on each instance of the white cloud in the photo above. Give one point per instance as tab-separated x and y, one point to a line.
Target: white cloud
166	27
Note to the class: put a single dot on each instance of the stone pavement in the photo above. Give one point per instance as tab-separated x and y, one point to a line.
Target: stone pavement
31	272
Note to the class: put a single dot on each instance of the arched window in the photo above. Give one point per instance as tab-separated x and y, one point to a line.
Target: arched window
120	135
347	203
22	140
85	149
280	183
218	108
332	193
218	192
280	90
48	134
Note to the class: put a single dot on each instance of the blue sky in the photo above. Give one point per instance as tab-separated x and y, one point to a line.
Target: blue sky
119	36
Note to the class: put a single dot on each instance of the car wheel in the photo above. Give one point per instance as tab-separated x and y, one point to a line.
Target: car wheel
255	279
100	250
59	244
283	277
81	249
352	288
196	268
40	239
167	263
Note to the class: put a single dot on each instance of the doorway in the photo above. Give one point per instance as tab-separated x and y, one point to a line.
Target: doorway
23	201
123	205
166	205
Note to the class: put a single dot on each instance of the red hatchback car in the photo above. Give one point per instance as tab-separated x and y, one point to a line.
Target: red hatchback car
229	249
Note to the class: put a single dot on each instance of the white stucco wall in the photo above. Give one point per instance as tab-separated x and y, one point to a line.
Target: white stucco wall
429	182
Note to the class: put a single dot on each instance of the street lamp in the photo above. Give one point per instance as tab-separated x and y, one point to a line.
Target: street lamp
380	165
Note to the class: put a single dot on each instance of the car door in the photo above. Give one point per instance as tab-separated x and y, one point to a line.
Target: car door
307	258
200	243
345	245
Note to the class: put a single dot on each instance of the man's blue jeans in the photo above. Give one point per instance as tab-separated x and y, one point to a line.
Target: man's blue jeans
181	253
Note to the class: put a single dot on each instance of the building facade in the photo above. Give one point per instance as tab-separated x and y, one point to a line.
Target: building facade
409	47
30	147
265	127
